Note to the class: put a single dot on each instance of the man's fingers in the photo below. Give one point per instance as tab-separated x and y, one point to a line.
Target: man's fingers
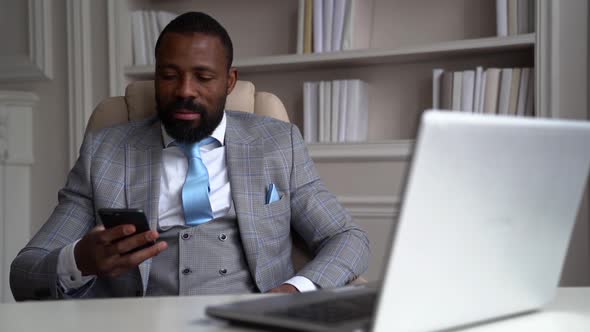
132	242
132	260
111	235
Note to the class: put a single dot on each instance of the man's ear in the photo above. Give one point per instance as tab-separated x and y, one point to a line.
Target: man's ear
232	77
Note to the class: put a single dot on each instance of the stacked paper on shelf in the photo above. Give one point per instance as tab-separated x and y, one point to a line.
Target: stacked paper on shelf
335	111
146	26
507	91
333	25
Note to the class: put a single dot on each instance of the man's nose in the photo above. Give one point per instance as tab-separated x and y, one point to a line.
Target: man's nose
187	88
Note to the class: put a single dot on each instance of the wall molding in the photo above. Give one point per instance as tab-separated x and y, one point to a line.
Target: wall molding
38	63
374	207
16	158
79	72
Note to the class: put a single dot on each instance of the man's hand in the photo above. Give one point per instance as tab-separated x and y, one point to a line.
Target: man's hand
284	288
100	252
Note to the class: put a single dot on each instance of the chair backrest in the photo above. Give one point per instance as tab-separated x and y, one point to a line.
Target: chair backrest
139	102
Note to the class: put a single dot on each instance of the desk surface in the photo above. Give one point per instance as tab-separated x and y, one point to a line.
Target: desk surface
570	311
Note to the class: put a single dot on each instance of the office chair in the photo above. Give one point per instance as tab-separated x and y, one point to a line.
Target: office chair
139	102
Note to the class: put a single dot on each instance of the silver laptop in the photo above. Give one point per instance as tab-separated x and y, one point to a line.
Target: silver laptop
488	210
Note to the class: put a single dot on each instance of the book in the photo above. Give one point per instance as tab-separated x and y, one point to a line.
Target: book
358	25
327	110
343	111
318	31
338	24
322	111
530	96
490	105
149	37
467	90
522	91
335	121
310	111
446	89
523	16
436	86
300	26
502	18
505	86
512	17
357	114
457	87
138	36
328	18
532	15
308	31
155	30
484	77
477	91
514	85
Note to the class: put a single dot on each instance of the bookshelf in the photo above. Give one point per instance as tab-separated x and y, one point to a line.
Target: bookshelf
409	38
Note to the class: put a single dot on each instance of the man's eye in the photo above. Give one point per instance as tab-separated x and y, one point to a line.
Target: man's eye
166	76
205	78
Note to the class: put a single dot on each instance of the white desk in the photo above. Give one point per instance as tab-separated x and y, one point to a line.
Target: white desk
569	312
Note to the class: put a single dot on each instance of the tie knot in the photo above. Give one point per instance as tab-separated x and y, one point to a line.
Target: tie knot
194	150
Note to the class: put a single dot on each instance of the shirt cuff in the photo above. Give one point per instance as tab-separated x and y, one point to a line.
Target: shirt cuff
302	284
69	276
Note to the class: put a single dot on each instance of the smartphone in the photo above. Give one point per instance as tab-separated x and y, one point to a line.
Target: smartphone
115	217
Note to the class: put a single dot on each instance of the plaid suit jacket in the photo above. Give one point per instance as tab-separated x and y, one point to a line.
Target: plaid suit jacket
119	167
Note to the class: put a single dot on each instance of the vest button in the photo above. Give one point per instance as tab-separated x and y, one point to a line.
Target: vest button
186	271
186	236
222	237
223	272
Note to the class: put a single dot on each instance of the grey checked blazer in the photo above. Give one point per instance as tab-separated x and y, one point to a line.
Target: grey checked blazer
119	167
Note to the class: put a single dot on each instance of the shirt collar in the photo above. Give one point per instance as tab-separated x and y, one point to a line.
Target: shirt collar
218	133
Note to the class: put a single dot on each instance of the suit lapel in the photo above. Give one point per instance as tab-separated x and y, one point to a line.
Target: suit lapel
245	163
143	159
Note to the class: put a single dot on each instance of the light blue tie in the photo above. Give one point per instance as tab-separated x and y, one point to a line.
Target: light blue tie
195	192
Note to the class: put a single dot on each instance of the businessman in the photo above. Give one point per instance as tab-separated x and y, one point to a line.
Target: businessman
223	191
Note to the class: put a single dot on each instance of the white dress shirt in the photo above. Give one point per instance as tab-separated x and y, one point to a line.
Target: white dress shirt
172	176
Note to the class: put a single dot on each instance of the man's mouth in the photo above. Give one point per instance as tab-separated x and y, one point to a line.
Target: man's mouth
186	115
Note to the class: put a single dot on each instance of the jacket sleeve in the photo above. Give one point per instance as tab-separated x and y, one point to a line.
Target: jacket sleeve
33	273
340	247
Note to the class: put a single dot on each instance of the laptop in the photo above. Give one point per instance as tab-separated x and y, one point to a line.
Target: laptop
487	213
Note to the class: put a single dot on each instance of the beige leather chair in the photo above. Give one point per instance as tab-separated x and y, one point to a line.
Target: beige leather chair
139	103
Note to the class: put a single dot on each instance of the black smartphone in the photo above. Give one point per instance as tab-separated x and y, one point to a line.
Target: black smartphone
115	217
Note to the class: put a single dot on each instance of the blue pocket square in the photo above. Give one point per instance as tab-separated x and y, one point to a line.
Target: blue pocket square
272	195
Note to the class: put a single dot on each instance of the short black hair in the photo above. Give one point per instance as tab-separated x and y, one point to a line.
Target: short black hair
202	23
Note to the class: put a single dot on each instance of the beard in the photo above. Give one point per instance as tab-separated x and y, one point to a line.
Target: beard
184	131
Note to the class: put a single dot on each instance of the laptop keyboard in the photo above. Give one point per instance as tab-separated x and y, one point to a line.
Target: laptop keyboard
332	311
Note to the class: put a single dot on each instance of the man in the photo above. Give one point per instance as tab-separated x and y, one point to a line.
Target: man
228	234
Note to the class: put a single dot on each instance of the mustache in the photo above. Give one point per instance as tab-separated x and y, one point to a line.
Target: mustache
187	104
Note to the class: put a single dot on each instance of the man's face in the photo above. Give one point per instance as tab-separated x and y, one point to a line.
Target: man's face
192	83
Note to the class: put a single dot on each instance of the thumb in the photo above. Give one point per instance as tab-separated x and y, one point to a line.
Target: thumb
98	228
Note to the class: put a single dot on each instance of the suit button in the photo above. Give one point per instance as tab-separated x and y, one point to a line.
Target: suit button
223	272
186	236
186	271
222	237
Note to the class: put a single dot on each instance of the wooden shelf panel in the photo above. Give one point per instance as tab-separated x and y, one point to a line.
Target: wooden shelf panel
292	62
393	150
